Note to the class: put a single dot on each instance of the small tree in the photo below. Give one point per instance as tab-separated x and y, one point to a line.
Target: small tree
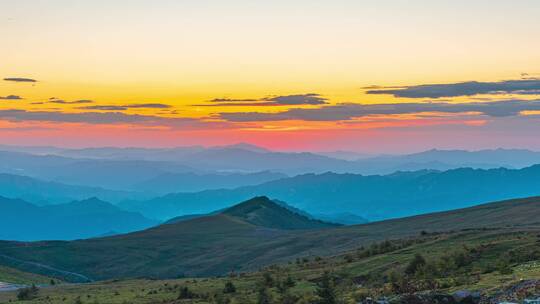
221	299
289	299
229	287
326	290
289	282
415	264
504	267
27	293
263	296
268	281
185	293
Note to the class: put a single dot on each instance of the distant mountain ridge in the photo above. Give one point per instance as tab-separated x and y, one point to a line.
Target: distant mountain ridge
20	220
192	182
46	193
240	158
373	197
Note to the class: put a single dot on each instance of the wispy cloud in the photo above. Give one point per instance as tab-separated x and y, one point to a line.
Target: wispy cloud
11	97
282	100
109	118
350	111
521	86
104	108
19	79
126	107
61	101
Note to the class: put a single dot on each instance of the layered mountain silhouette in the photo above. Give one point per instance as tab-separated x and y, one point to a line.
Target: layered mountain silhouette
191	182
126	168
239	239
20	220
373	197
41	192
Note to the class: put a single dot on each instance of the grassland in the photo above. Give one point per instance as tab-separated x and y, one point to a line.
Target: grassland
15	276
358	273
216	245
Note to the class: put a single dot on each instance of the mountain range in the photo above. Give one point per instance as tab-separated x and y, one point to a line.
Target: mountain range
245	237
373	197
128	167
20	220
40	192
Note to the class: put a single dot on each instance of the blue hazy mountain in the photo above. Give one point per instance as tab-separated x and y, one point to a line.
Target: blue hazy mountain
20	220
190	182
50	162
41	192
110	174
373	197
449	159
153	177
66	164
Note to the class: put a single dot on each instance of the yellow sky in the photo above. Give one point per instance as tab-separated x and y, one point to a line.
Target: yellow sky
185	53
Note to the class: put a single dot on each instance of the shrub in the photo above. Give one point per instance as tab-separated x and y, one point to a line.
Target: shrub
27	293
229	287
185	293
326	290
417	262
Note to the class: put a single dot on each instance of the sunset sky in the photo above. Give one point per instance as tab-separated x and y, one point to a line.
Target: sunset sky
369	76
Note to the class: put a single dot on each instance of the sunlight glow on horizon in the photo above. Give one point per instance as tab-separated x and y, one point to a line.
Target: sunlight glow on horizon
183	54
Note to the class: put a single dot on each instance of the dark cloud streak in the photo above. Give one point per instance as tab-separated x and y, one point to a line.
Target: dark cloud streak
60	101
126	107
284	100
98	118
523	86
349	111
11	97
19	79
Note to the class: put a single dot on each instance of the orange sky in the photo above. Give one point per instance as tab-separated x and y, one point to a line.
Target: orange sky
147	74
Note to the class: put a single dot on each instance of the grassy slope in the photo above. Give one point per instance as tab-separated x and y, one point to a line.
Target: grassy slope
496	242
218	244
14	276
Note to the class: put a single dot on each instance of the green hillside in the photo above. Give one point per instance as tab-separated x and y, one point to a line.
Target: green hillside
492	261
14	276
218	244
261	211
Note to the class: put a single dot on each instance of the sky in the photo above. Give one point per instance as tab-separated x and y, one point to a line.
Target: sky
368	76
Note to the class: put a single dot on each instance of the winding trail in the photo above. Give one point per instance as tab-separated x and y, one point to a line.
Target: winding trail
47	267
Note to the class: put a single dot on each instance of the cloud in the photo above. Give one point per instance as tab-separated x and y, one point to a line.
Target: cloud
148	106
125	107
60	101
227	100
305	99
283	100
350	111
18	79
99	118
522	86
11	97
104	108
